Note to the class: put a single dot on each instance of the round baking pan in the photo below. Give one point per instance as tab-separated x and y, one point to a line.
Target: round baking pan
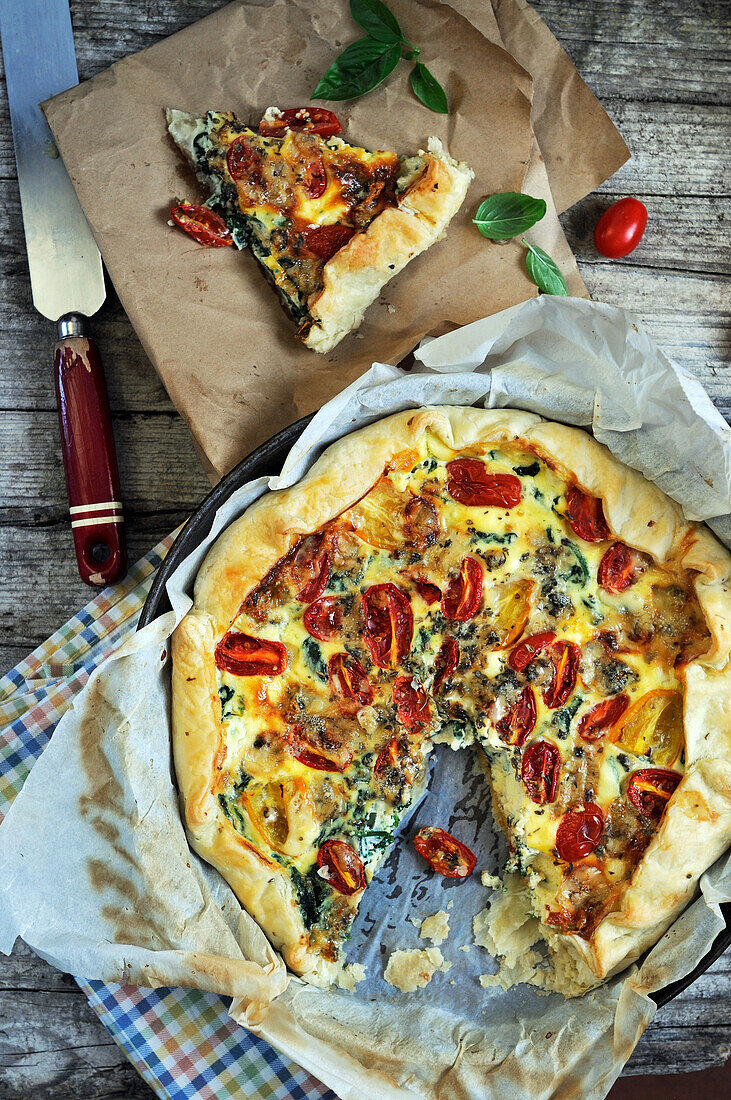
266	460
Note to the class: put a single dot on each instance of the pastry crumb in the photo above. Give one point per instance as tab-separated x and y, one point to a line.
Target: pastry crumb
410	970
390	308
492	881
350	975
465	947
435	928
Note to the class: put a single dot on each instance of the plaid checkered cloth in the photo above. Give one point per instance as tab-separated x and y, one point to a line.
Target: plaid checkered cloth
181	1041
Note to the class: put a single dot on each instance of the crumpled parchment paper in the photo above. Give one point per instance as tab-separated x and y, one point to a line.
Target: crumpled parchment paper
95	872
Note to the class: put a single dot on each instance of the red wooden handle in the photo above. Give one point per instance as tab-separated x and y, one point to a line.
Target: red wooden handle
90	461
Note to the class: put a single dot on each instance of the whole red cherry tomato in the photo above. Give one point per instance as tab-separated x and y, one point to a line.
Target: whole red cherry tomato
579	832
602	717
649	789
323	618
444	853
412	704
325	240
244	655
470	482
620	228
341	867
300	747
585	516
463	593
446	662
202	224
619	568
310	120
539	771
349	679
516	725
389	623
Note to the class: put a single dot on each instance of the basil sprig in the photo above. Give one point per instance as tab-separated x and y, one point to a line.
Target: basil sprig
507	215
503	216
365	63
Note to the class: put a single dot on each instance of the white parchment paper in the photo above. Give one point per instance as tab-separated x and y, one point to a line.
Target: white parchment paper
95	871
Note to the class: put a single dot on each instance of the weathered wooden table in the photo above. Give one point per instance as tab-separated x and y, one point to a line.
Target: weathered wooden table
658	67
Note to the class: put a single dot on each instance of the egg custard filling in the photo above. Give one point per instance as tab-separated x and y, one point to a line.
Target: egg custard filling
477	599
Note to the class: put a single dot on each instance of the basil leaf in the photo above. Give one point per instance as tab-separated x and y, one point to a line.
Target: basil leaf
358	69
375	18
544	271
428	89
508	214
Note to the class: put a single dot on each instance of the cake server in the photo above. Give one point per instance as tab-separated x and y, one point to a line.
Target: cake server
66	279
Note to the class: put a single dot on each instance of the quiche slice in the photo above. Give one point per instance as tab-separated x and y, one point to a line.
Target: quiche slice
329	223
487	579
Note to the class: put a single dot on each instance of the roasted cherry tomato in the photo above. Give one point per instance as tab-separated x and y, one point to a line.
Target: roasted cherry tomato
522	655
510	605
246	163
430	593
470	482
462	596
341	867
325	240
390	756
324	618
412	704
444	853
445	663
649	789
585	516
202	224
602	716
349	679
310	120
311	568
619	568
539	771
565	657
516	725
620	228
244	655
654	723
421	522
389	623
302	749
268	808
579	832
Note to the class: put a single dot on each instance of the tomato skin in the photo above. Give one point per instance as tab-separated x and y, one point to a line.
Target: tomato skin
649	790
245	162
349	679
462	596
412	704
619	568
311	563
539	771
579	832
470	482
311	120
244	655
602	717
300	748
620	228
524	652
421	522
343	867
585	516
516	726
202	224
566	657
325	240
446	662
430	593
324	618
444	853
389	623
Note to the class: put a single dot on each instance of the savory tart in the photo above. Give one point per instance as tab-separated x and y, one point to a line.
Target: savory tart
487	579
329	223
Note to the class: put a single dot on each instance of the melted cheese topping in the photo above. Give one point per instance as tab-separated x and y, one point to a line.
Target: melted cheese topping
538	575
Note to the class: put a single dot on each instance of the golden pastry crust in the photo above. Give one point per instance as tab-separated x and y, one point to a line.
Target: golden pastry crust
696	827
355	275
